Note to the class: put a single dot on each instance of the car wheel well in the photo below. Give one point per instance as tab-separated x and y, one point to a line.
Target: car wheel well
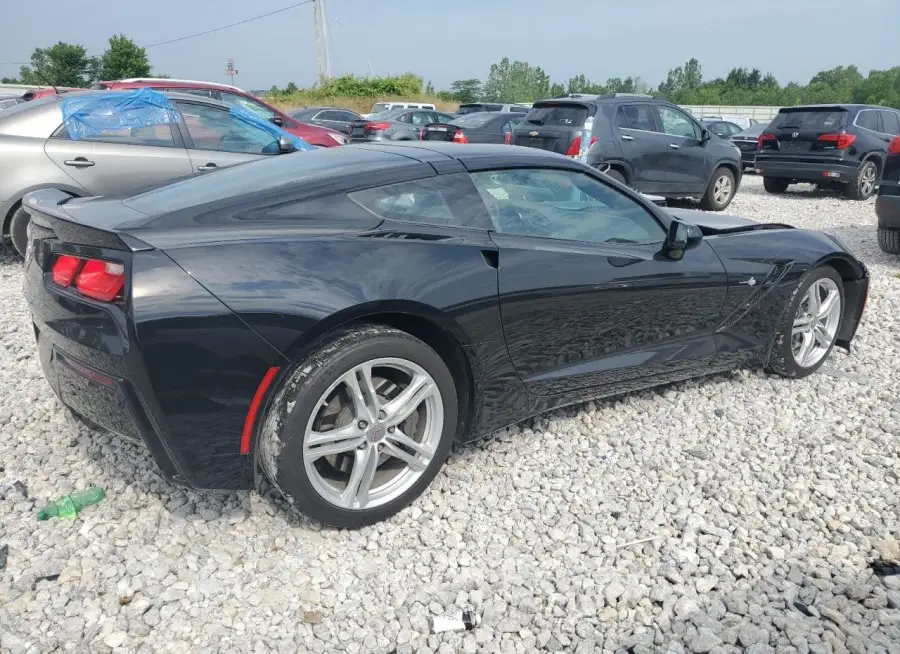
8	218
848	275
734	168
876	159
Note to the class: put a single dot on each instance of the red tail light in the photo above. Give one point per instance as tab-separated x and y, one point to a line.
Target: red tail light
841	141
376	127
575	146
459	137
894	145
763	139
507	138
99	280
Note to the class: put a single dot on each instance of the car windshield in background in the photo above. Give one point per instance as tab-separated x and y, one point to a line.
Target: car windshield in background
477	108
810	119
754	130
474	120
386	114
380	106
565	115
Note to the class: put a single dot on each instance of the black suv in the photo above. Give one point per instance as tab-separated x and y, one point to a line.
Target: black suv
833	146
647	143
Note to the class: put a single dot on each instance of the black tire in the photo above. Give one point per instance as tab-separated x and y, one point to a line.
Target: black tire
616	175
709	202
889	240
862	186
18	230
775	185
284	428
781	360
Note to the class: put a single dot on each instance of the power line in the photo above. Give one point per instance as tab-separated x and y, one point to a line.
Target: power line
225	27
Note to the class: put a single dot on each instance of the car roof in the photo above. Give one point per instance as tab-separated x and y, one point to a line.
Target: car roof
167	82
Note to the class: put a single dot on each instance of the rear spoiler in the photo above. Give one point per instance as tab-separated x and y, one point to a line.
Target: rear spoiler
47	210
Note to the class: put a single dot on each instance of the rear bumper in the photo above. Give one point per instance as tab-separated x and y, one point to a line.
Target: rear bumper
806	171
182	386
887	206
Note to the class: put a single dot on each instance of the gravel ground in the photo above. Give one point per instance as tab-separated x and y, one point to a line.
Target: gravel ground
766	500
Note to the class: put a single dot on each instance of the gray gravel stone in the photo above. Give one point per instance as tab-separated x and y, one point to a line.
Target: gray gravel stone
761	492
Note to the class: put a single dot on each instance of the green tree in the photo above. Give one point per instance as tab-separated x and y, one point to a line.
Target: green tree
429	88
123	59
63	64
290	89
516	81
9	80
466	90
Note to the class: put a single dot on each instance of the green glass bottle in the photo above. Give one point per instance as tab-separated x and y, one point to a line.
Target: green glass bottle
69	506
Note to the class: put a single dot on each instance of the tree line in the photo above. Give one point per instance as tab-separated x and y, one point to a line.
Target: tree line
518	81
68	64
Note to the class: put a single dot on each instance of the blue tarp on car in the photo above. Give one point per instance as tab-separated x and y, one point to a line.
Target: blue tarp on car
91	115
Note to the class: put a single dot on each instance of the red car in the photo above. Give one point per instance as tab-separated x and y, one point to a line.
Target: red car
313	135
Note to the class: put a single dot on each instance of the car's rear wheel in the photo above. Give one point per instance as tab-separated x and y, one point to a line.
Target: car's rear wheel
361	427
720	192
889	240
775	185
616	175
862	186
18	230
810	324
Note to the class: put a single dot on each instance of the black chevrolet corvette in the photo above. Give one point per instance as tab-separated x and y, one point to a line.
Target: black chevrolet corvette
336	319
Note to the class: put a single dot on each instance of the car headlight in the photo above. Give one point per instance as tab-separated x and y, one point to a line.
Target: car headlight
340	138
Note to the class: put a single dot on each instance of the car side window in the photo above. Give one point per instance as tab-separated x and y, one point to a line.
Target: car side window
203	93
330	114
404	118
422	118
868	119
564	204
635	116
890	122
216	129
677	123
443	200
248	104
160	136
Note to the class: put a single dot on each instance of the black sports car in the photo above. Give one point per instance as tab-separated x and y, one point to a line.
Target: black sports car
337	320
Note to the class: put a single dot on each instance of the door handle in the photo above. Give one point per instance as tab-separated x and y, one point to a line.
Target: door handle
79	162
674	147
209	166
625	137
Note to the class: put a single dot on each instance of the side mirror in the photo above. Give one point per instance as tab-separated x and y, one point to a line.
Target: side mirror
682	236
278	120
285	145
705	135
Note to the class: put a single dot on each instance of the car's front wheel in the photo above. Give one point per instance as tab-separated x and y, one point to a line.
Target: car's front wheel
889	240
361	427
720	191
775	185
810	324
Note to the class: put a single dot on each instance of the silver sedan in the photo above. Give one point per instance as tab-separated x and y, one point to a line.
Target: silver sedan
38	149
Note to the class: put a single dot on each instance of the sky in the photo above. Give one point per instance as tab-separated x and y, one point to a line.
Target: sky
460	39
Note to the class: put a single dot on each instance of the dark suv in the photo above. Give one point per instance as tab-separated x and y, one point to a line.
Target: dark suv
833	146
649	144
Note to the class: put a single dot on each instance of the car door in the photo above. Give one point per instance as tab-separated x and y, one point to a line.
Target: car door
586	300
118	160
685	162
644	146
335	119
216	138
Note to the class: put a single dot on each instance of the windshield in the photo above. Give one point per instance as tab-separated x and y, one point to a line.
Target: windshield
754	130
380	106
474	120
827	118
564	115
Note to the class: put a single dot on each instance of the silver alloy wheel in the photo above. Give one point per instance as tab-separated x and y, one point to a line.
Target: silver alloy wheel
816	322
373	433
867	180
722	189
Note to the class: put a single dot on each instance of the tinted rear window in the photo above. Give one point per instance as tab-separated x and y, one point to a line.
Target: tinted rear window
262	175
562	115
474	120
810	119
470	109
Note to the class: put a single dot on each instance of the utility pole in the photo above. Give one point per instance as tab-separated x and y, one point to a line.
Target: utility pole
323	57
231	71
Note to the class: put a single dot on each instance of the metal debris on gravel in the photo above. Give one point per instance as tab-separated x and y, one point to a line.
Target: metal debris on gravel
760	499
